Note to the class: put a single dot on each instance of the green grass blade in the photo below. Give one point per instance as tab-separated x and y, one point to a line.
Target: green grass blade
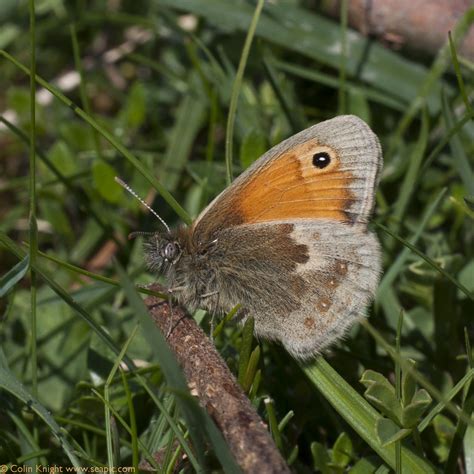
9	383
133	421
273	422
112	462
448	397
32	161
459	434
456	128
457	70
82	85
398	389
108	431
431	82
398	263
428	260
328	80
460	159
167	418
408	185
29	438
189	120
342	93
294	118
97	277
469	449
14	275
229	140
245	349
33	224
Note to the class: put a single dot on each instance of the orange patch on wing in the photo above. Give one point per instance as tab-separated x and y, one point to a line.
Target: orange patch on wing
293	187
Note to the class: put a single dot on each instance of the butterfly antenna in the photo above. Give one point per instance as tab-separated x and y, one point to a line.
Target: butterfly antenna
135	195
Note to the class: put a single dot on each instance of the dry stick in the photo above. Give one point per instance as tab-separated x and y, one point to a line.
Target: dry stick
210	379
420	25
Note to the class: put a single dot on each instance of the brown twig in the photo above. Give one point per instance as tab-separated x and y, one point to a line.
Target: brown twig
211	381
418	25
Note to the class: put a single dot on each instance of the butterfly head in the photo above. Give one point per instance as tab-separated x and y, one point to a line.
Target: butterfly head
163	250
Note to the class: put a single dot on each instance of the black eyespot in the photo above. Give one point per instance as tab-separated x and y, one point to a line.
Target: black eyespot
321	160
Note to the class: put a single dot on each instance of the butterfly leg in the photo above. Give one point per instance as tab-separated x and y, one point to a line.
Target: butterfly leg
176	289
214	313
241	315
146	286
170	320
171	326
206	295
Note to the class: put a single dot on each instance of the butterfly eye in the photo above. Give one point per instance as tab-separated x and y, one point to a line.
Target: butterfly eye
321	160
170	251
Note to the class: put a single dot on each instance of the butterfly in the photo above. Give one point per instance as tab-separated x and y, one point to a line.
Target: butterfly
287	240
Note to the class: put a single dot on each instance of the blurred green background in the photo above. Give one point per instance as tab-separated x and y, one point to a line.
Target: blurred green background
155	79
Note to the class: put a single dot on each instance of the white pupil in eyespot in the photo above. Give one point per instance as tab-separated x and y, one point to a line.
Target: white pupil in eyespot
321	160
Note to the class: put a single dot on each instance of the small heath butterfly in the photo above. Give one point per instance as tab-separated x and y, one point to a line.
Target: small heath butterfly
287	240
